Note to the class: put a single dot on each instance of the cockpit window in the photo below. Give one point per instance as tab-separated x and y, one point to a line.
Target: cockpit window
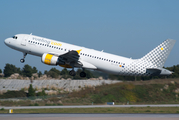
14	37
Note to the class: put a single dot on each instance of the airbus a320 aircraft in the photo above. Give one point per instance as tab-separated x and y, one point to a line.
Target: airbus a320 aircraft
70	56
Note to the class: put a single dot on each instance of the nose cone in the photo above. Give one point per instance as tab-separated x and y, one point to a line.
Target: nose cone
7	41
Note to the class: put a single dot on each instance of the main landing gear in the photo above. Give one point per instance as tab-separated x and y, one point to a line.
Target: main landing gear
82	74
73	73
23	59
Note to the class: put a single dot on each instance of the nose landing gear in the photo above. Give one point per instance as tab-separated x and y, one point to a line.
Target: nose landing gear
23	59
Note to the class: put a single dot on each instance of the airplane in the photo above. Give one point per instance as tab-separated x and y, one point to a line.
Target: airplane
71	56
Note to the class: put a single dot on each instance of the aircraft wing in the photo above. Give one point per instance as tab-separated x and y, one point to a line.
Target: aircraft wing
72	58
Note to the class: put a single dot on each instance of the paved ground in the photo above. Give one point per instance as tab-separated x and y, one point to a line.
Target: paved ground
88	106
89	116
68	85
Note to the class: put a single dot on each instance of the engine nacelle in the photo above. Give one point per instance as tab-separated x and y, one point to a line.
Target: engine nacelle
49	59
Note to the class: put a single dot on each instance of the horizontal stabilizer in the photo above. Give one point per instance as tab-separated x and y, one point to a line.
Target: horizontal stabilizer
158	71
153	71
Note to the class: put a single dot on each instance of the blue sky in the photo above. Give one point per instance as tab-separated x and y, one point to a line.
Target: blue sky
130	28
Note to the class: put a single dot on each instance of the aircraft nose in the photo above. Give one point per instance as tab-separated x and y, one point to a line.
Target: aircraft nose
7	41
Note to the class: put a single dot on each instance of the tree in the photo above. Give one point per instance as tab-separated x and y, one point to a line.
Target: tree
9	69
64	72
88	74
0	71
34	70
45	72
53	72
42	93
31	91
27	70
39	73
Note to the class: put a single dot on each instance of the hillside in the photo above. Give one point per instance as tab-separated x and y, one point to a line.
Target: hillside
159	91
139	92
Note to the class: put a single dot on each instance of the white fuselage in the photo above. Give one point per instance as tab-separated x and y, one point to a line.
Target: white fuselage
102	61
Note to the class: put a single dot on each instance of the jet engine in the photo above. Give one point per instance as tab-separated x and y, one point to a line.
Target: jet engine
50	59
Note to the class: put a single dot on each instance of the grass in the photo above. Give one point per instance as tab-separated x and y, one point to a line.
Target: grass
99	110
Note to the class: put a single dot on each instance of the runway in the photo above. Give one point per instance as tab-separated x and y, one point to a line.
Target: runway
88	106
89	116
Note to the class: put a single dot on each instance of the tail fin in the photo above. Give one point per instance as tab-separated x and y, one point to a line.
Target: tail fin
159	55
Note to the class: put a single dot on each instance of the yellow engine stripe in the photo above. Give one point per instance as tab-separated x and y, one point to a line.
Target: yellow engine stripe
48	58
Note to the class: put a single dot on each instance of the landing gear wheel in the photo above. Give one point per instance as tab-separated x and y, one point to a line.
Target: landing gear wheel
82	74
22	60
72	73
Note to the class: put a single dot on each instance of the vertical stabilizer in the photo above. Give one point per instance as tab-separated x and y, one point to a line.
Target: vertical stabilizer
159	55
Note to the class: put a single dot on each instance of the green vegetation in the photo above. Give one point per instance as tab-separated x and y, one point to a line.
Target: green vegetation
27	71
150	92
31	91
138	92
161	91
99	110
53	72
42	93
9	69
13	94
